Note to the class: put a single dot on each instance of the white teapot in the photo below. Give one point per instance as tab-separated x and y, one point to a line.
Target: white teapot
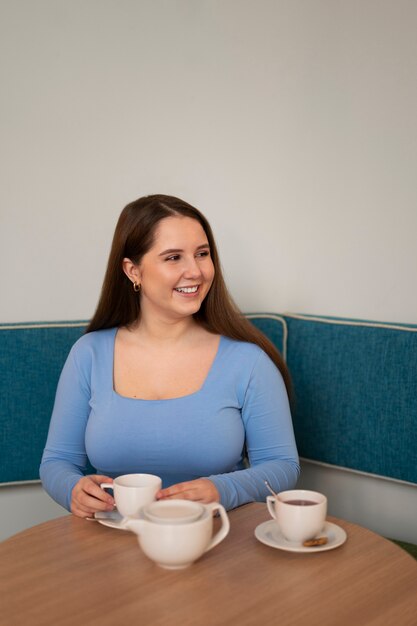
175	533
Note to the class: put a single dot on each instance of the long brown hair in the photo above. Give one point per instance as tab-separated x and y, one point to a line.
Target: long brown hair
134	235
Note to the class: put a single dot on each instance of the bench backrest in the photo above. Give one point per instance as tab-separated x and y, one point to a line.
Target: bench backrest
355	391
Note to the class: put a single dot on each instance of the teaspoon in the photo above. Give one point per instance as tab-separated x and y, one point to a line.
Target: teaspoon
270	489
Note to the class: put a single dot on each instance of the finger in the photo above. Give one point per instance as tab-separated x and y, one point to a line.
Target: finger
190	494
175	490
186	495
87	491
89	503
200	491
91	488
81	512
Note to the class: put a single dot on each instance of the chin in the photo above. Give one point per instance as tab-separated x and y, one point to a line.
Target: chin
191	309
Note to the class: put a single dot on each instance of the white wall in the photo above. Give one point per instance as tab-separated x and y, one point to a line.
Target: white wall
290	123
24	506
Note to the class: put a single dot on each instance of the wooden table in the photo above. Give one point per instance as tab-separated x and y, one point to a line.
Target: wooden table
71	571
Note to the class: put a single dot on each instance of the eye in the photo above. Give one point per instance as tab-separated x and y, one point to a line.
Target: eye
173	257
204	253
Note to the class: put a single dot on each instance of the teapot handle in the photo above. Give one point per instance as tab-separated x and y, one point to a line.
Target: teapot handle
224	528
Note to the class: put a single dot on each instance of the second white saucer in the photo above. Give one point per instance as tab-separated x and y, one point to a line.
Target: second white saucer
269	534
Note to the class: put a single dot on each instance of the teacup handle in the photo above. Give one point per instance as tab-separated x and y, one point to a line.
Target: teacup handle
270	501
125	519
224	528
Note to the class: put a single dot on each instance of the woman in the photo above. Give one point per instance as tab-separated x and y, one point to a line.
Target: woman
170	378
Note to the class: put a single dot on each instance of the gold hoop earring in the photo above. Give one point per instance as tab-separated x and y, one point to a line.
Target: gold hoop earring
136	287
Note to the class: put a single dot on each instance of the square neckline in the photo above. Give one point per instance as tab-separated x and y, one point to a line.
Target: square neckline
188	395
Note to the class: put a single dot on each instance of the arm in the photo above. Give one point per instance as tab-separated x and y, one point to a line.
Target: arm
270	445
64	460
270	441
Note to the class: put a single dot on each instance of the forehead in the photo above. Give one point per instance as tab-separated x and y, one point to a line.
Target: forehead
179	231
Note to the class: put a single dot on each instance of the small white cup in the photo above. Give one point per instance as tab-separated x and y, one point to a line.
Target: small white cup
176	546
133	491
300	514
173	511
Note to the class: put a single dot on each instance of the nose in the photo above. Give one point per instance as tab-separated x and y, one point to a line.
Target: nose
192	269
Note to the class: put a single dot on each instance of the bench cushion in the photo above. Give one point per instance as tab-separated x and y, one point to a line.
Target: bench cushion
31	359
356	394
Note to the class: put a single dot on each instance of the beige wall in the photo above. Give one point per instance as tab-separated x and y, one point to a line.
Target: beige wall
290	123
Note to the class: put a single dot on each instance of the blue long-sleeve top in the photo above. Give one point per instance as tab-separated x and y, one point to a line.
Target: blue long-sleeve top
242	405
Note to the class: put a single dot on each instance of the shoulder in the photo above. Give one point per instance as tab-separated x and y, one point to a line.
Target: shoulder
252	350
246	353
250	370
251	358
93	344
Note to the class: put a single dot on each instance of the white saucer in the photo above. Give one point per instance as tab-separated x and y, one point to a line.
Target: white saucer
269	534
112	519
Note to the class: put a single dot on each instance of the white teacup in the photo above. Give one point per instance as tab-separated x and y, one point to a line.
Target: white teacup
133	491
177	545
173	511
300	514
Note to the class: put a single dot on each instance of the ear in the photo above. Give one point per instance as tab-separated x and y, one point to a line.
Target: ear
131	270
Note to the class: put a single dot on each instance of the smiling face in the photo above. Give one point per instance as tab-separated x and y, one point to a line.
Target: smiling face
177	272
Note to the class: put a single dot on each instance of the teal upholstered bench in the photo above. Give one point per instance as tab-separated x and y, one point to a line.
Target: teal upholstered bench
31	359
355	391
356	394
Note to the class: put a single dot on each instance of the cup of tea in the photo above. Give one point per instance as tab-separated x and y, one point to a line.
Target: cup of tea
300	513
133	491
175	544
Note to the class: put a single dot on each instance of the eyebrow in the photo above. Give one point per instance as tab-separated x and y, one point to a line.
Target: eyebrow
176	250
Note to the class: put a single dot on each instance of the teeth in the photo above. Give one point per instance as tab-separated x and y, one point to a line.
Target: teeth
186	289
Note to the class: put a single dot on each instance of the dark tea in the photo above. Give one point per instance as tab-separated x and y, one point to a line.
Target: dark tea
301	502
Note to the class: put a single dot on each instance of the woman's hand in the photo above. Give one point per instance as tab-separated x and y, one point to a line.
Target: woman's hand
200	490
87	497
